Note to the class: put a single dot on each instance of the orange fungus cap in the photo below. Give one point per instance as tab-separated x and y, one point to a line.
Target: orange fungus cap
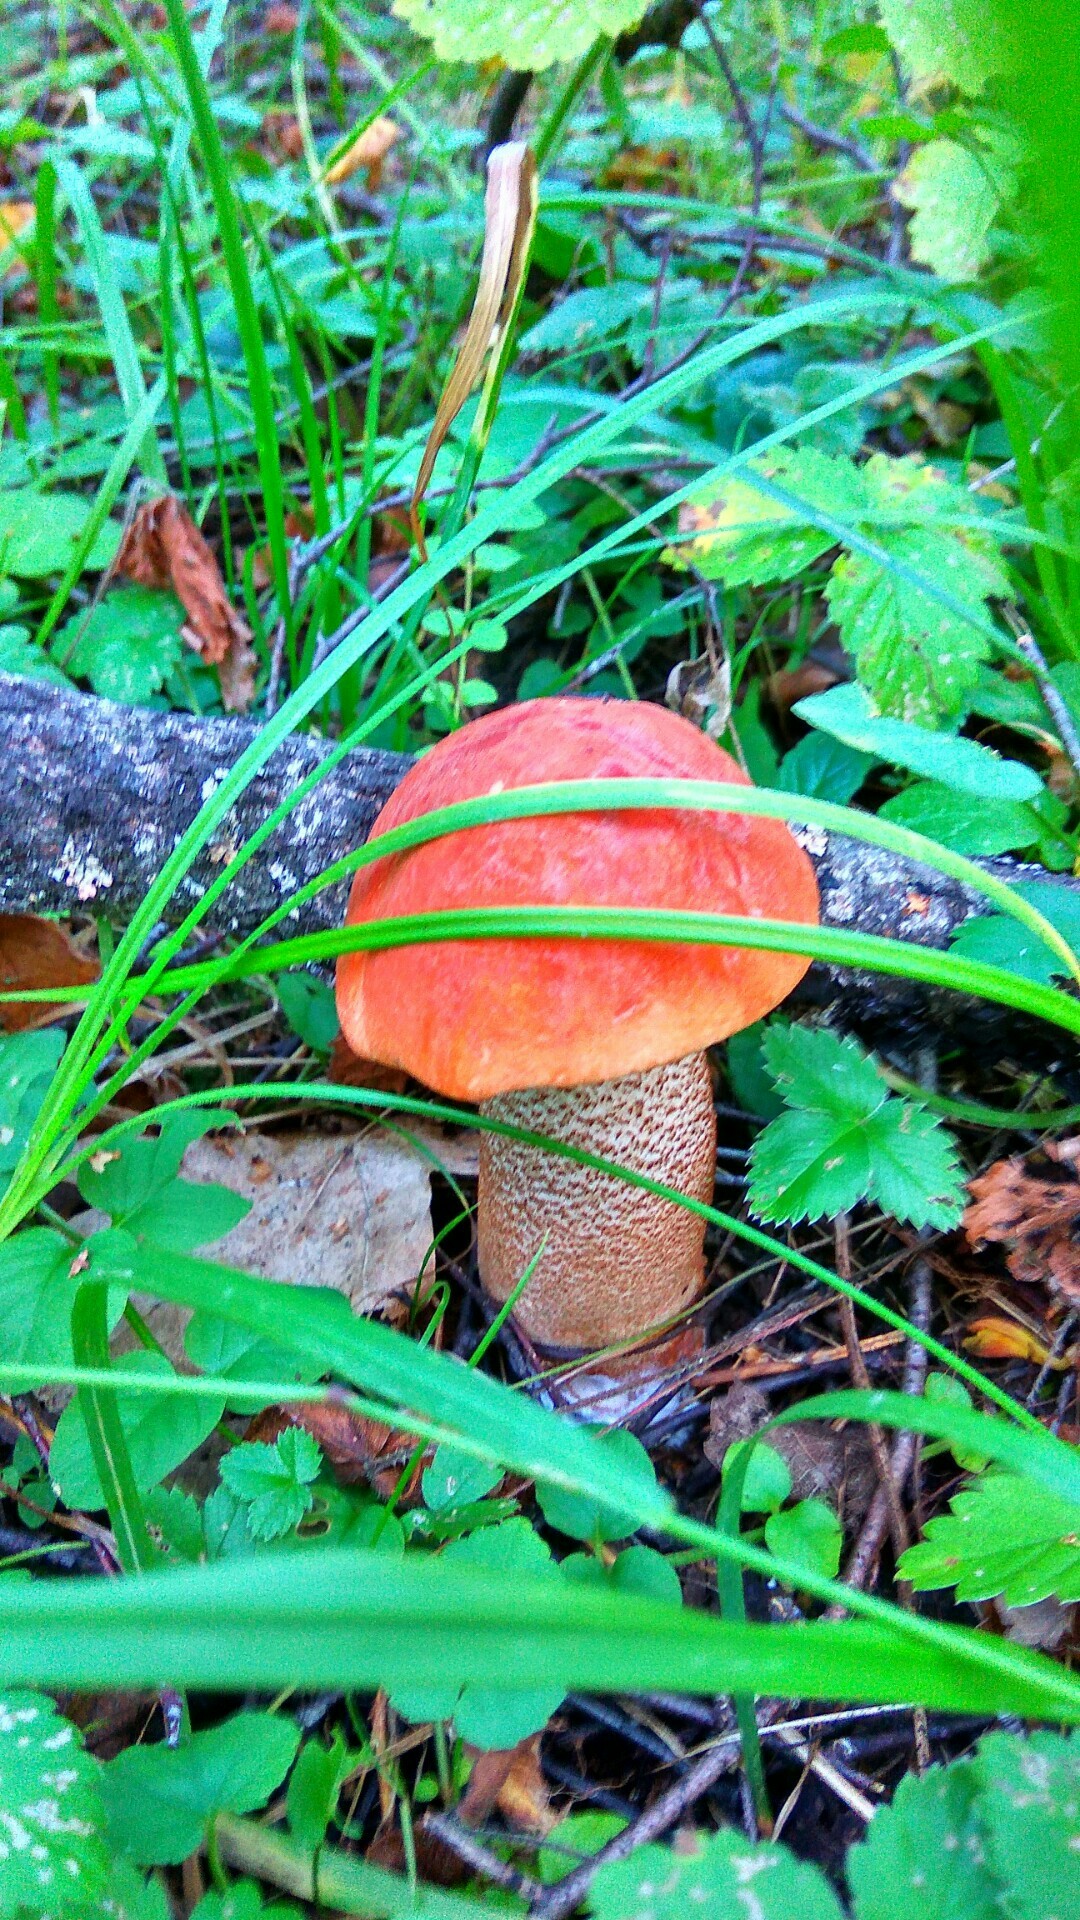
473	1018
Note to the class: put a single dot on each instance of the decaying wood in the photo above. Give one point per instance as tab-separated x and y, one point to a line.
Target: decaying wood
96	796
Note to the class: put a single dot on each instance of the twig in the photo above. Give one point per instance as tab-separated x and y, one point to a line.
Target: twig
834	142
479	1857
1052	700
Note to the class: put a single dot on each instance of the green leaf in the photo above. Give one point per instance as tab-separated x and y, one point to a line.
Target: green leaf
639	1570
455	1479
27	1064
824	769
220	1347
522	33
963	765
488	1716
954	200
308	1006
37	1288
128	1896
958	40
1003	942
944	1390
19	655
1004	1537
140	1191
584	1518
1028	1815
808	1533
767	1482
751	1082
920	560
39	531
656	1883
159	1801
177	1518
161	1431
127	645
52	1856
314	1784
573	1840
924	1854
963	822
747	537
274	1480
845	1138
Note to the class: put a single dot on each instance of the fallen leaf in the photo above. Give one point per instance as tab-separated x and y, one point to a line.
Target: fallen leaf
351	1211
37	953
1033	1218
15	217
280	18
353	1443
283	134
367	151
992	1337
164	548
298	526
510	1779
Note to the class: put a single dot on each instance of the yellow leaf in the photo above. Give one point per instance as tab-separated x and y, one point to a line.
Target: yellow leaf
368	150
15	217
992	1338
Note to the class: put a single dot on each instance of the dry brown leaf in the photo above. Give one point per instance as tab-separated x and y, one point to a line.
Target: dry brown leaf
351	1211
509	219
164	548
280	18
37	953
298	526
510	1779
367	152
283	134
1033	1219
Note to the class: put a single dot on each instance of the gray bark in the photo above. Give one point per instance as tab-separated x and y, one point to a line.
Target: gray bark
96	796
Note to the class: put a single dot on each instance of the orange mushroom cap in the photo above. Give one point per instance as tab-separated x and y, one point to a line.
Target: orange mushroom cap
474	1018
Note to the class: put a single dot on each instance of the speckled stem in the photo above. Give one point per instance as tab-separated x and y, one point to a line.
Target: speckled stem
618	1260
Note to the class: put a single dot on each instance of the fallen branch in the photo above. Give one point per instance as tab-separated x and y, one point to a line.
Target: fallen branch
97	795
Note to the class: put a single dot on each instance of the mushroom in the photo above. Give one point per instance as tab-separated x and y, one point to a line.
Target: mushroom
595	1042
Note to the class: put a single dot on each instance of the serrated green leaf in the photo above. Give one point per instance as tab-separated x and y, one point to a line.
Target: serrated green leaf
1001	941
747	537
924	1854
848	713
1029	1812
656	1883
958	40
1005	1537
158	1801
127	645
845	1138
274	1480
52	1855
954	202
960	821
521	33
39	531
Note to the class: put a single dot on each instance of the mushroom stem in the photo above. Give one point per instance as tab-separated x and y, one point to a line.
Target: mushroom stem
617	1259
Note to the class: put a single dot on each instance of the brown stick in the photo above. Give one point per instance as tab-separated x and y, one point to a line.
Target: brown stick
96	795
